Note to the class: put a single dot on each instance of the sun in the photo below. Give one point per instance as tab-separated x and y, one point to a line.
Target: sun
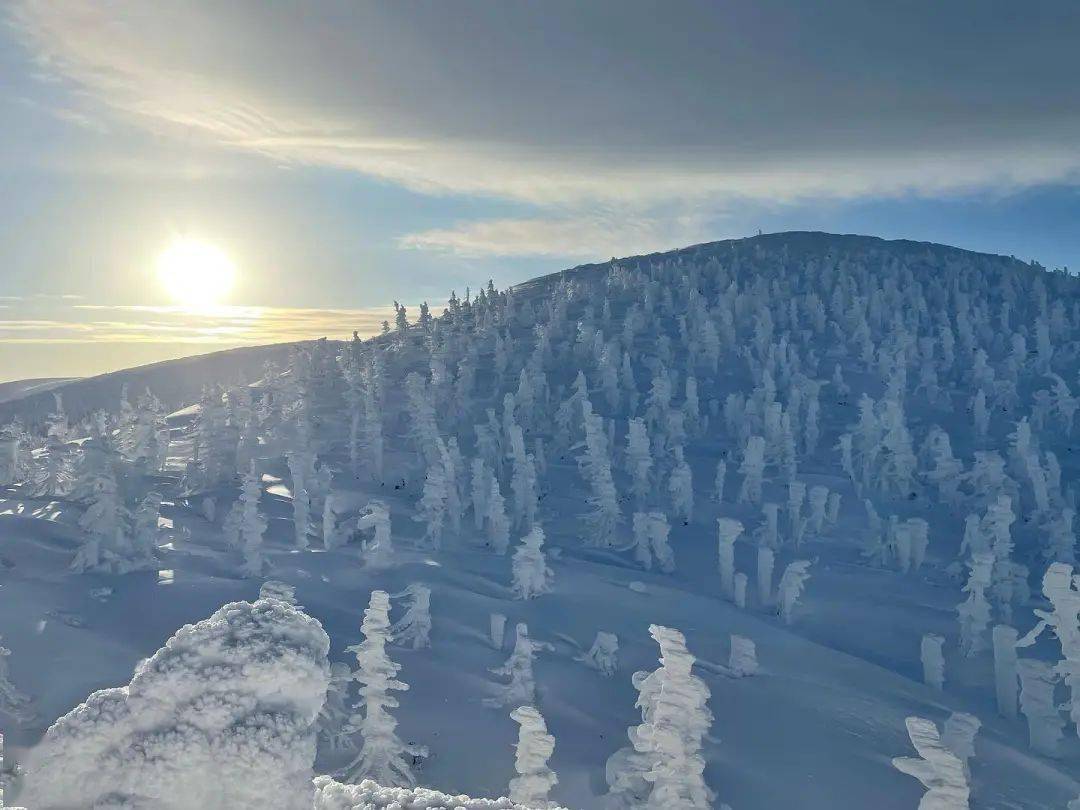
195	273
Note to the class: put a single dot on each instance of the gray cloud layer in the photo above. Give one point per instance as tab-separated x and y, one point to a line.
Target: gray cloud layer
626	102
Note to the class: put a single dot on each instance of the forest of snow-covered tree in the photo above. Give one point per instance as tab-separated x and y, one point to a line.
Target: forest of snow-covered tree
756	523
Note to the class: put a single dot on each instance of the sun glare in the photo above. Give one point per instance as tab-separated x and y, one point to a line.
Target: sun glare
195	274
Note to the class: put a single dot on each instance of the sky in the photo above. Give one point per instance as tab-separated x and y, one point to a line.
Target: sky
344	155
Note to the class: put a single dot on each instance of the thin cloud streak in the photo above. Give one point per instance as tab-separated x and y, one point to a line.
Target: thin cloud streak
232	326
570	237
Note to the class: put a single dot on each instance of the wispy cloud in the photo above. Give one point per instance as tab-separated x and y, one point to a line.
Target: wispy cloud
596	237
223	326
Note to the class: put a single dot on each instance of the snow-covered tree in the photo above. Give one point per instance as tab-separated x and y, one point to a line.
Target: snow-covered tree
532	576
728	531
819	499
603	655
1045	722
521	688
335	711
379	548
223	716
681	488
432	509
765	561
498	524
974	611
1005	675
719	480
604	513
497	629
752	470
638	461
382	756
534	779
742	659
251	524
1062	588
664	765
414	628
940	770
301	501
792	583
107	526
651	532
933	660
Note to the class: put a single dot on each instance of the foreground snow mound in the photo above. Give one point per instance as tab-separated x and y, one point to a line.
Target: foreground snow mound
331	795
221	718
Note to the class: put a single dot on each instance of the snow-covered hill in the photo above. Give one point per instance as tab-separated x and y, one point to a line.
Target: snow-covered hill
885	421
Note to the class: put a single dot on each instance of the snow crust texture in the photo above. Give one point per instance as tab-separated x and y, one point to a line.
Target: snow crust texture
331	795
221	718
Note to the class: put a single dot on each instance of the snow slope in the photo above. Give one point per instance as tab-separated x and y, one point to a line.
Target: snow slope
817	727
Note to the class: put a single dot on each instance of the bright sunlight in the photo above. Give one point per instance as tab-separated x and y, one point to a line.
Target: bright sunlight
195	273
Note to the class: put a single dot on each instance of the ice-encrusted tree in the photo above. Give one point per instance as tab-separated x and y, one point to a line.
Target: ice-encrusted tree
107	523
604	514
792	584
664	766
819	500
796	521
940	770
301	500
753	470
223	716
719	480
414	628
532	576
1062	588
933	660
766	559
651	532
958	734
1061	537
681	488
432	509
335	711
638	461
521	688
742	658
1005	675
382	755
523	480
1044	720
534	779
498	524
379	547
252	525
728	531
480	481
603	655
974	611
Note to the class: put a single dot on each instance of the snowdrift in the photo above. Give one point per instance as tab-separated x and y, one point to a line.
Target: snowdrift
331	795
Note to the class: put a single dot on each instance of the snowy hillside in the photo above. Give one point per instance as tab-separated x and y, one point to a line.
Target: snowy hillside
777	522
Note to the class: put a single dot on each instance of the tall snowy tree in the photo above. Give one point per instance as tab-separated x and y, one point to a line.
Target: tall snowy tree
663	768
534	780
382	756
